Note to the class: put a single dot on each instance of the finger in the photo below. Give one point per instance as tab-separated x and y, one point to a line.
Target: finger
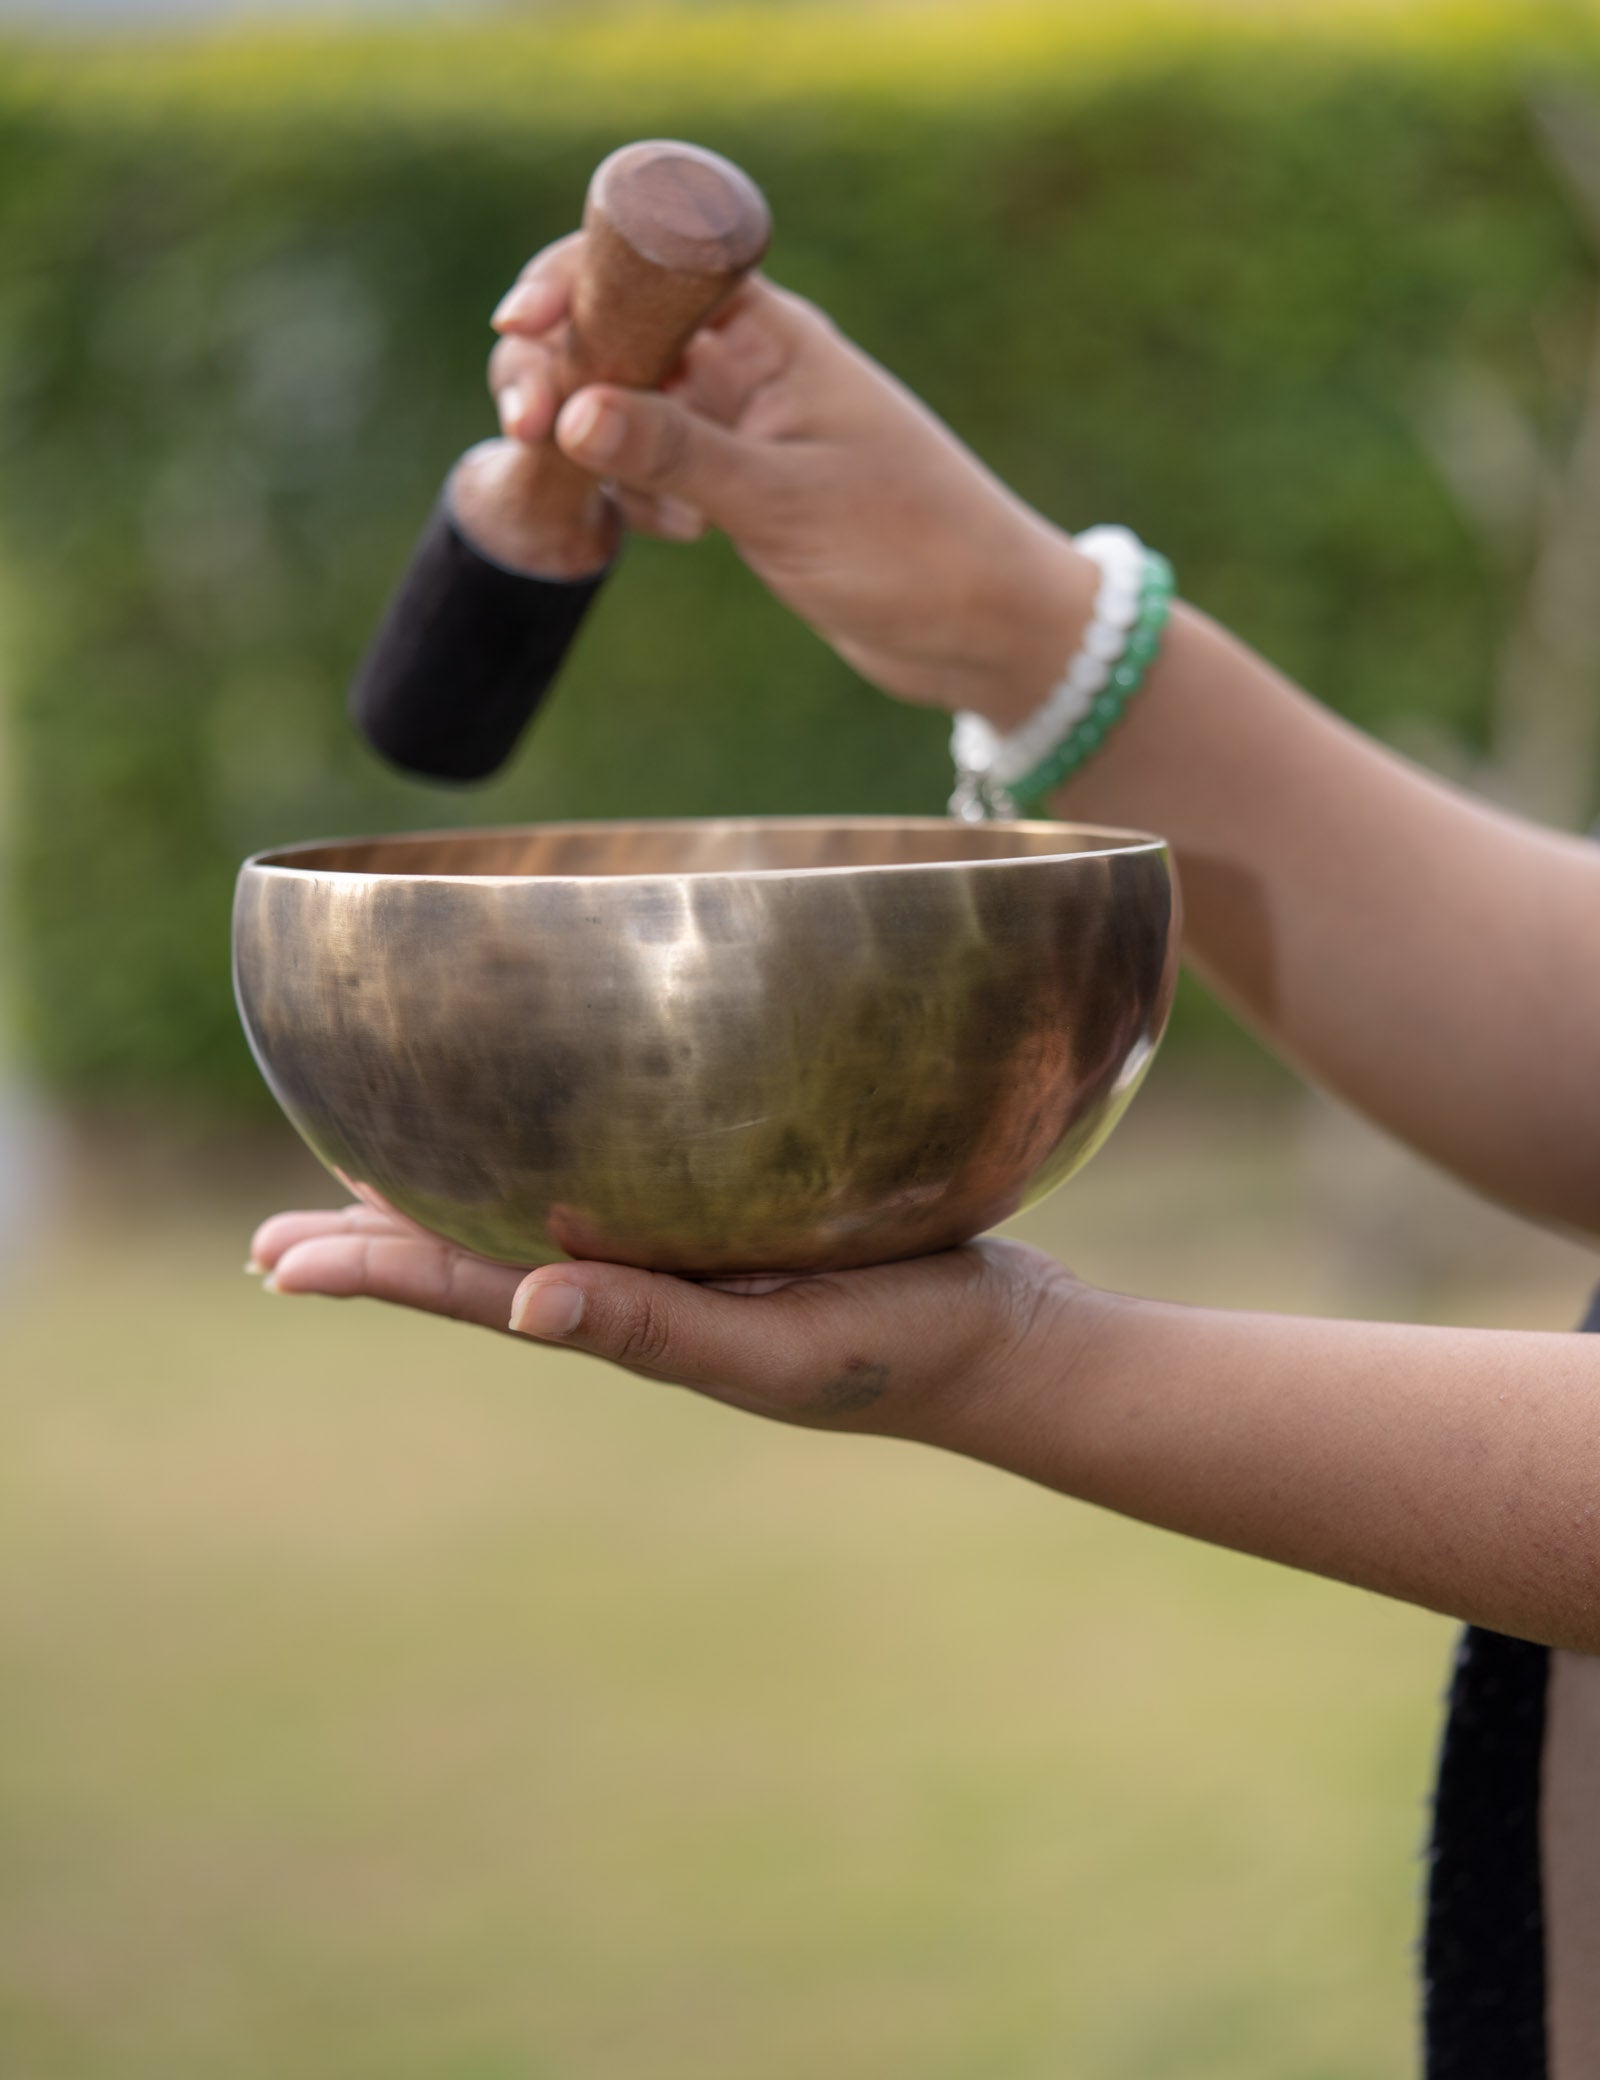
748	345
669	519
754	1283
522	381
669	1329
816	1350
725	368
759	306
406	1270
649	443
284	1230
542	292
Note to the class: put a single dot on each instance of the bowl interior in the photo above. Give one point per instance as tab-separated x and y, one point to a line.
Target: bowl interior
772	845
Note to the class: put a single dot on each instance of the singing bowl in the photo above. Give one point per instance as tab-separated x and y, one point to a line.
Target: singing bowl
705	1047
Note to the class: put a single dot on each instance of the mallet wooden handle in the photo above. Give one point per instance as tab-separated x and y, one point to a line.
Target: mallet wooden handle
670	231
505	572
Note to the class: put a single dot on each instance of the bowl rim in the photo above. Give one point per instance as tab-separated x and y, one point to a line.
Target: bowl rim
1118	841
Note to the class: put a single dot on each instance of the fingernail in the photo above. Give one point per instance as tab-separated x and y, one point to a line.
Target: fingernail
252	1269
519	301
511	403
270	1283
593	427
550	1309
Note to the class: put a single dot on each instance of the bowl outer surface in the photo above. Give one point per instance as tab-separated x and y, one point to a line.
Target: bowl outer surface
540	1043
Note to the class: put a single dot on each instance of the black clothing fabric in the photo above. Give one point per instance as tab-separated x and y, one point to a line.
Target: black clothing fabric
1484	1949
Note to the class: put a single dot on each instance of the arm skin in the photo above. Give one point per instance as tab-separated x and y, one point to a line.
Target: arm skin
1454	1468
1429	959
1434	961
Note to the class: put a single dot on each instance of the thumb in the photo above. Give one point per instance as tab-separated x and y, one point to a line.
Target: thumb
874	1348
647	442
736	1346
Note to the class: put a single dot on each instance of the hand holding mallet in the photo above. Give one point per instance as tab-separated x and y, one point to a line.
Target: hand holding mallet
523	537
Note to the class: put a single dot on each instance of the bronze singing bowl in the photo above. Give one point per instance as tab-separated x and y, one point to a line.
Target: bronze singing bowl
708	1047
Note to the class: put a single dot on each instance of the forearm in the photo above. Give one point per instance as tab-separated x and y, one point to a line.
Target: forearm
1456	1469
1428	958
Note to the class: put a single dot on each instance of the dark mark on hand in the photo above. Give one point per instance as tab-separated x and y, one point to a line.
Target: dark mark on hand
859	1385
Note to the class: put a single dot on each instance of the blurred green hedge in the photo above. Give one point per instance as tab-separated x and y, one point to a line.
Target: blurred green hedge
1174	271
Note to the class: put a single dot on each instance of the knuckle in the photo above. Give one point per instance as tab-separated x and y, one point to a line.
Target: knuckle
807	318
669	447
452	1298
644	1335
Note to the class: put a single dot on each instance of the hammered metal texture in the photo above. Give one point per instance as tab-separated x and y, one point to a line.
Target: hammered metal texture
708	1047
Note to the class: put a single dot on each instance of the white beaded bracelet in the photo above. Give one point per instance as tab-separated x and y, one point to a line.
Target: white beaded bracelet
988	764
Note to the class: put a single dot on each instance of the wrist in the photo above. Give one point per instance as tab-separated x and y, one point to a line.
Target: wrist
1035	621
1045	1408
1012	773
1022	1370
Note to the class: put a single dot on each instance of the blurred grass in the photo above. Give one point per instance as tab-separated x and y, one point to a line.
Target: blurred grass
383	1699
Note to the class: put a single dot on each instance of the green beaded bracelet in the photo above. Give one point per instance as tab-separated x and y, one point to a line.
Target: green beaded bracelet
1106	710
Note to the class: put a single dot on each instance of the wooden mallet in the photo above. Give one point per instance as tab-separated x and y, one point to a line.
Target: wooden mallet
522	538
